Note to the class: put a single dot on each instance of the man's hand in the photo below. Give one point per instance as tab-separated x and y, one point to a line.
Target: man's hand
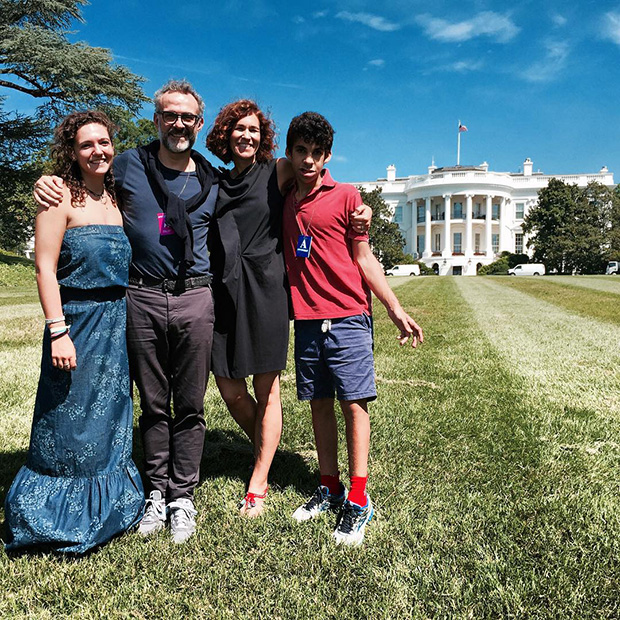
360	218
48	191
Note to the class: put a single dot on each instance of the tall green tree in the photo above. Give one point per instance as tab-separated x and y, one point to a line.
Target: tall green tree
614	229
386	240
38	59
132	132
569	227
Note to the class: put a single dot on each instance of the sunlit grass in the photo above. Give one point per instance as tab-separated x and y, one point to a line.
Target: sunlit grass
494	469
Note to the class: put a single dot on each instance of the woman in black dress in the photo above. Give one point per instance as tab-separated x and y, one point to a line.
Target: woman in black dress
250	287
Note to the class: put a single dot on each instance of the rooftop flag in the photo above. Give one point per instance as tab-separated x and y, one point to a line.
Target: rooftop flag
462	127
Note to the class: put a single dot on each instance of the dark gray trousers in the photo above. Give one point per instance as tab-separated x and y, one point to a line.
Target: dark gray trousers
169	339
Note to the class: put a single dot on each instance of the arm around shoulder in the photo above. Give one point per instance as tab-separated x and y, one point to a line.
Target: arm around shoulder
373	275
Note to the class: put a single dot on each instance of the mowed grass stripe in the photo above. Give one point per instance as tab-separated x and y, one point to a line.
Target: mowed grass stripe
587	302
477	514
605	284
573	360
491	507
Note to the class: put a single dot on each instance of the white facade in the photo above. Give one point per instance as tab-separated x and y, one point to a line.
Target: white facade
457	219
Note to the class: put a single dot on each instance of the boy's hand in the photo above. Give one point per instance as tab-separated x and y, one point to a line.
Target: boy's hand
360	218
48	191
408	327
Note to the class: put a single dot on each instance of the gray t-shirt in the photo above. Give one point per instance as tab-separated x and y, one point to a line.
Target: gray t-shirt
156	251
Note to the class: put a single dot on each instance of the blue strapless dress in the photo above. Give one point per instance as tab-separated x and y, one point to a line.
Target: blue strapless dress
79	487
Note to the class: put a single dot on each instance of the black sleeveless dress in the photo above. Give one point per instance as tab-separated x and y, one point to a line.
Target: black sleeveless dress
250	286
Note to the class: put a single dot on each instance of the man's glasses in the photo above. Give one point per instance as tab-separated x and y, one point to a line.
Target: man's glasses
170	118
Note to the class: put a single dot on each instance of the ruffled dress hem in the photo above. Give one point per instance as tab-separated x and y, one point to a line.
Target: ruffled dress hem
72	514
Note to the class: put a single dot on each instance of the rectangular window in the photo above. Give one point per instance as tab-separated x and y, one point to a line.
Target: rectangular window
437	247
477	242
398	215
495	212
420	244
518	243
421	213
457	211
457	243
519	209
478	210
495	243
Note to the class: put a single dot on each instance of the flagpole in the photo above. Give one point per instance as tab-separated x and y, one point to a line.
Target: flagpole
458	144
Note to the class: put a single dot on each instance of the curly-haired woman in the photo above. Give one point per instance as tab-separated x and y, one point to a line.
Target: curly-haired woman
250	291
79	486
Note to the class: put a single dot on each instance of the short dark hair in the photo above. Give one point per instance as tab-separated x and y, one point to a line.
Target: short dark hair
178	86
312	128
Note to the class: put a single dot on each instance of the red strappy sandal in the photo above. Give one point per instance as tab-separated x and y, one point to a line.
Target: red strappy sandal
248	505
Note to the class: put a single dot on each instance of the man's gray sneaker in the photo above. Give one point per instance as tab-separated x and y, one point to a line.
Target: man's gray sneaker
320	502
182	519
154	518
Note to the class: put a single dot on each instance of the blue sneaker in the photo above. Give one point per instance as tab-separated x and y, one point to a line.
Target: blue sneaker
352	522
320	502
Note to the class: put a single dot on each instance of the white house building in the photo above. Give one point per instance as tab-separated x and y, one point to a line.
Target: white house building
456	219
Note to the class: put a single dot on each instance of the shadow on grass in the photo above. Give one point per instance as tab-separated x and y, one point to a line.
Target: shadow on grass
10	462
228	454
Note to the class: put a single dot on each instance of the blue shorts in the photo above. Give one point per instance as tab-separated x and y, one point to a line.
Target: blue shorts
335	357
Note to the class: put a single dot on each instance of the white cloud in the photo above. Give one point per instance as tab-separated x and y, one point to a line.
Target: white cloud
372	21
611	27
550	66
298	19
559	20
463	66
377	62
486	23
319	14
340	159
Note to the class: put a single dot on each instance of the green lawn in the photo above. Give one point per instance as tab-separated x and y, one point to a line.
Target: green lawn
495	470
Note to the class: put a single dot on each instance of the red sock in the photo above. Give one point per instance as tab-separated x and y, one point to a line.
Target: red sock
357	494
332	483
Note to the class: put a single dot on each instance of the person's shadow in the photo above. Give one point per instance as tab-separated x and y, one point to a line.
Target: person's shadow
10	463
229	454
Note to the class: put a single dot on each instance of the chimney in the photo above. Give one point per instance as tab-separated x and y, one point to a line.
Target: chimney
391	172
527	167
485	166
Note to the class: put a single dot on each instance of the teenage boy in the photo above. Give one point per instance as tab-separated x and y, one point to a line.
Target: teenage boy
331	270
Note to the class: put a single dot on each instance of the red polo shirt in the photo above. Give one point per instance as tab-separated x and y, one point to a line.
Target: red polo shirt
327	284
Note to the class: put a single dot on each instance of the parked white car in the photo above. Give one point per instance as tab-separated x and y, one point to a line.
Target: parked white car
404	270
612	268
528	269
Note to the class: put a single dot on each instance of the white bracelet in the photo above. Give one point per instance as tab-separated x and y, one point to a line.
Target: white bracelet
52	321
58	330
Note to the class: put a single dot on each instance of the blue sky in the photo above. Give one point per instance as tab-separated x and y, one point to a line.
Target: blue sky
529	79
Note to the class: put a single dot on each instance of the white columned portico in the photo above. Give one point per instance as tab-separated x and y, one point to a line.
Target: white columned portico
446	246
488	228
427	227
504	241
468	225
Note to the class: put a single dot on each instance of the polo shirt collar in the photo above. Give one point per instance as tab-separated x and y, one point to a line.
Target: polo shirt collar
326	183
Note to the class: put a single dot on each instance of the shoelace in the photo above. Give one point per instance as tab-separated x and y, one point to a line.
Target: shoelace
316	499
180	517
348	516
150	510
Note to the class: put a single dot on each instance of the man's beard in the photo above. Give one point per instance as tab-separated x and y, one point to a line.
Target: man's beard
170	141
